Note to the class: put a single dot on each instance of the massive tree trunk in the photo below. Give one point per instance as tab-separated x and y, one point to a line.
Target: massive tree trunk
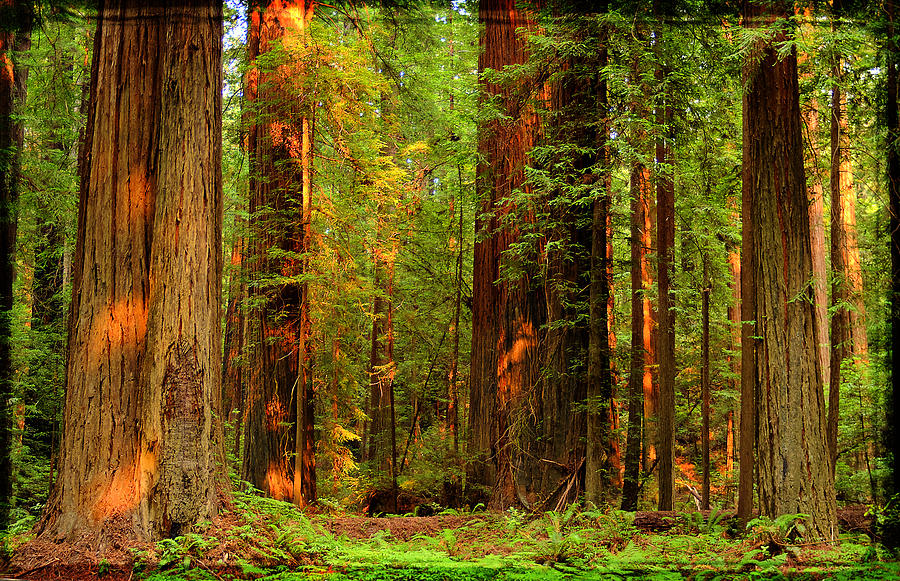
15	36
280	151
507	316
794	468
142	442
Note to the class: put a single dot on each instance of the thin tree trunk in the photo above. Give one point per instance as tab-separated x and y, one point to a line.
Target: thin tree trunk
232	363
599	455
704	386
631	486
748	412
734	360
892	123
453	391
305	455
665	194
848	329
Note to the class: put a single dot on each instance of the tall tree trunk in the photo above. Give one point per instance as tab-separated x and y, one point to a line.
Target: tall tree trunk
599	470
665	195
848	329
279	146
305	456
748	411
15	37
816	214
631	486
232	363
892	122
507	316
452	374
143	373
794	468
704	385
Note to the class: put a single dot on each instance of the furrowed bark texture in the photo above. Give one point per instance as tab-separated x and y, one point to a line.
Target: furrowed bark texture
794	468
507	316
279	152
141	442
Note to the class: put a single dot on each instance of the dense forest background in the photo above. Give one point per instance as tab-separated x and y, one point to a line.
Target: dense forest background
489	254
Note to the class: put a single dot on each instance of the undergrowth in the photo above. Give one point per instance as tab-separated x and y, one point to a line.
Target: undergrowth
261	538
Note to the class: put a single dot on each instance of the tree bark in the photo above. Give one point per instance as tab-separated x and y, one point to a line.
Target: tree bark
508	315
631	486
892	122
704	388
600	472
142	443
794	468
848	329
15	36
665	205
816	213
279	138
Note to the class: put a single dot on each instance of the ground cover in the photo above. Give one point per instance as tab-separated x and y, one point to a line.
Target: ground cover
259	538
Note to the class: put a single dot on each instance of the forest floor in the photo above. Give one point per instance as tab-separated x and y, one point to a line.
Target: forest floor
258	538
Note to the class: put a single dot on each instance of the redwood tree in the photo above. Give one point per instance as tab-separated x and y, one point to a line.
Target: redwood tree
280	144
507	315
142	442
848	328
15	23
794	468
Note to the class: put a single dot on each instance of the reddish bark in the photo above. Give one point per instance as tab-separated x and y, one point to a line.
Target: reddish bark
794	469
142	441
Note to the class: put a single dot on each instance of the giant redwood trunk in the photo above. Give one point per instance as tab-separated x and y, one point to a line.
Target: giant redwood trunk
15	35
507	315
142	442
794	468
280	150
